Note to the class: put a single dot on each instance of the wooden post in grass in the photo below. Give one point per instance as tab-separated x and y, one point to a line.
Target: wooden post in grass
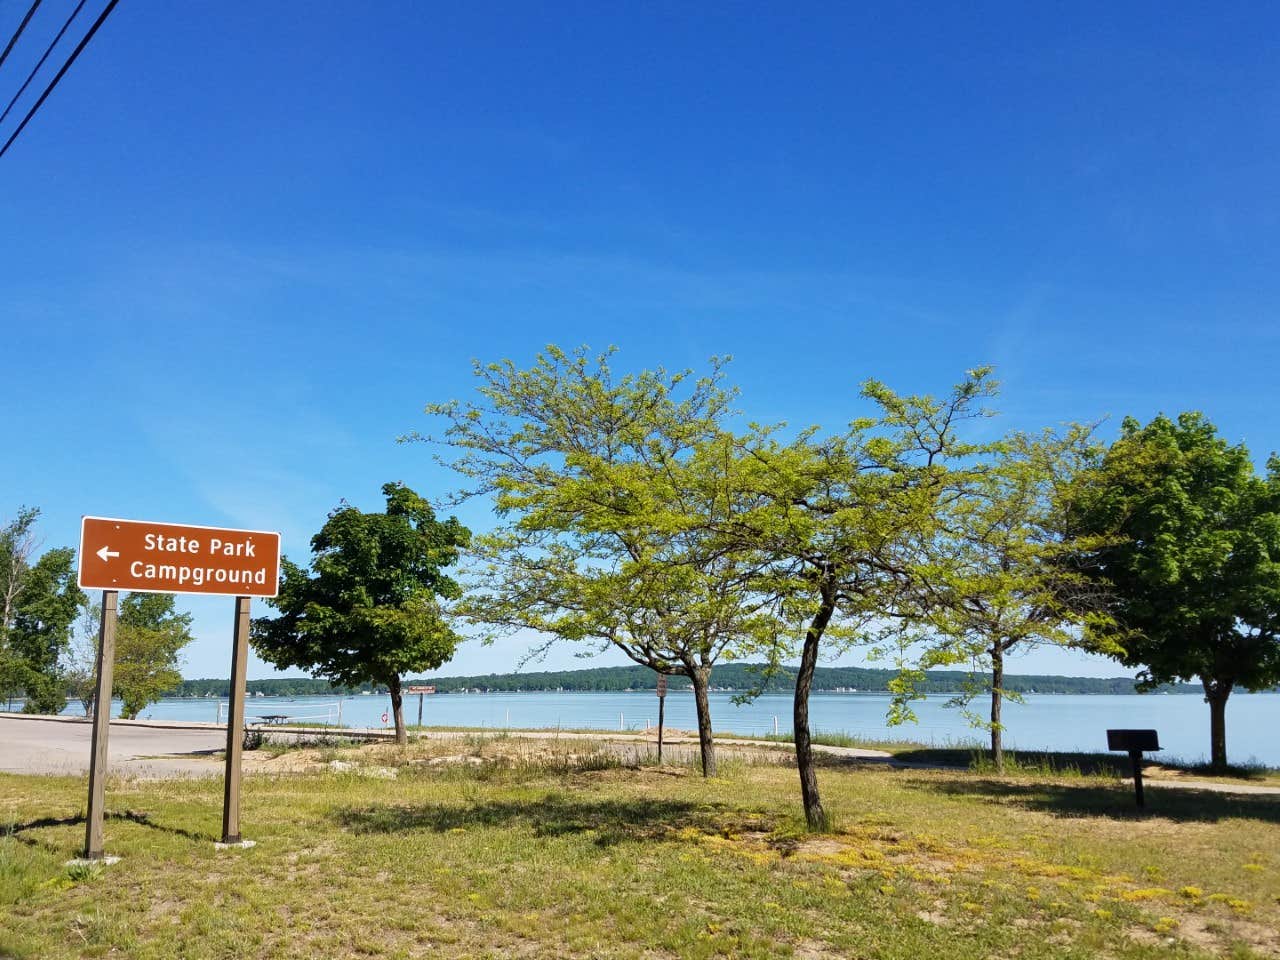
235	725
422	693
101	727
1135	757
662	699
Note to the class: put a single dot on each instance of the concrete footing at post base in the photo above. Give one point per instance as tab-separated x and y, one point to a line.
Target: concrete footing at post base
237	845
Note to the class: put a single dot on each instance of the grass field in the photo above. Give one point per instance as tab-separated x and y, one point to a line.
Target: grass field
495	847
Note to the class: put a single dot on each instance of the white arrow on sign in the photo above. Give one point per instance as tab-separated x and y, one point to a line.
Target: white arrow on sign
104	553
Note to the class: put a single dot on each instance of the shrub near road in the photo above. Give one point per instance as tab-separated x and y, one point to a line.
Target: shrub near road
481	849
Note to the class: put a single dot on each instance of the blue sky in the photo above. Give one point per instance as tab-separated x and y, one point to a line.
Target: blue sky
244	243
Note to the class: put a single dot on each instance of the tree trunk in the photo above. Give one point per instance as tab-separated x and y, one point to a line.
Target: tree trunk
814	815
397	709
699	677
997	701
1216	693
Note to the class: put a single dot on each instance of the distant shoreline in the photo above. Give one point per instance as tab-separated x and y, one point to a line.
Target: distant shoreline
735	678
682	691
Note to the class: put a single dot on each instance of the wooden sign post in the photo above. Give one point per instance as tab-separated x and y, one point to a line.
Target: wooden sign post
235	725
151	557
421	692
662	699
101	726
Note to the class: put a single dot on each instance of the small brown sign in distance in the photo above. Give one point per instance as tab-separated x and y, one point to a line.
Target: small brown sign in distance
419	689
141	555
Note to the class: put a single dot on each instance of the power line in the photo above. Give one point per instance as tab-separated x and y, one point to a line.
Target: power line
22	26
84	42
36	69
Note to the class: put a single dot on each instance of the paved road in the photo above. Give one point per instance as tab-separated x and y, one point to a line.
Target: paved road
29	745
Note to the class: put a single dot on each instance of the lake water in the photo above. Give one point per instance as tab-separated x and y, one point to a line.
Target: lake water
1053	722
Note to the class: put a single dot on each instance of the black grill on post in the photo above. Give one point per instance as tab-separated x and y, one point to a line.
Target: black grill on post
1135	742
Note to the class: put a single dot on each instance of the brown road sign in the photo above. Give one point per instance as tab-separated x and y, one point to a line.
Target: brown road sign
141	555
419	689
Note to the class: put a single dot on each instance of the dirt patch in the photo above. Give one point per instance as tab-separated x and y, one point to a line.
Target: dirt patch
1217	933
935	917
820	847
816	950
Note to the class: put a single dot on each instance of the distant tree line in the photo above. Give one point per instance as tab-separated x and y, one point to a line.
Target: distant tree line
282	687
733	677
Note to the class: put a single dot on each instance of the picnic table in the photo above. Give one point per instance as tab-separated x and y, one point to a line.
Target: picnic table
273	718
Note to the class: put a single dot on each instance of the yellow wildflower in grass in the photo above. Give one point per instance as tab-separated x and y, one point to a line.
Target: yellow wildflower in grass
1103	914
1165	925
1191	893
1240	906
972	907
886	888
868	853
1253	867
1145	893
1033	893
835	887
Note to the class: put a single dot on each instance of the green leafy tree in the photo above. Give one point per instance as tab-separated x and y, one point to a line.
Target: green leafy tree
1003	575
1193	569
150	636
848	522
611	488
38	604
369	608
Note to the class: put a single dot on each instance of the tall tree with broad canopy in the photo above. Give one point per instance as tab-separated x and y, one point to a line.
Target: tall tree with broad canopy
611	489
1004	574
1193	564
39	600
849	523
369	609
150	636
